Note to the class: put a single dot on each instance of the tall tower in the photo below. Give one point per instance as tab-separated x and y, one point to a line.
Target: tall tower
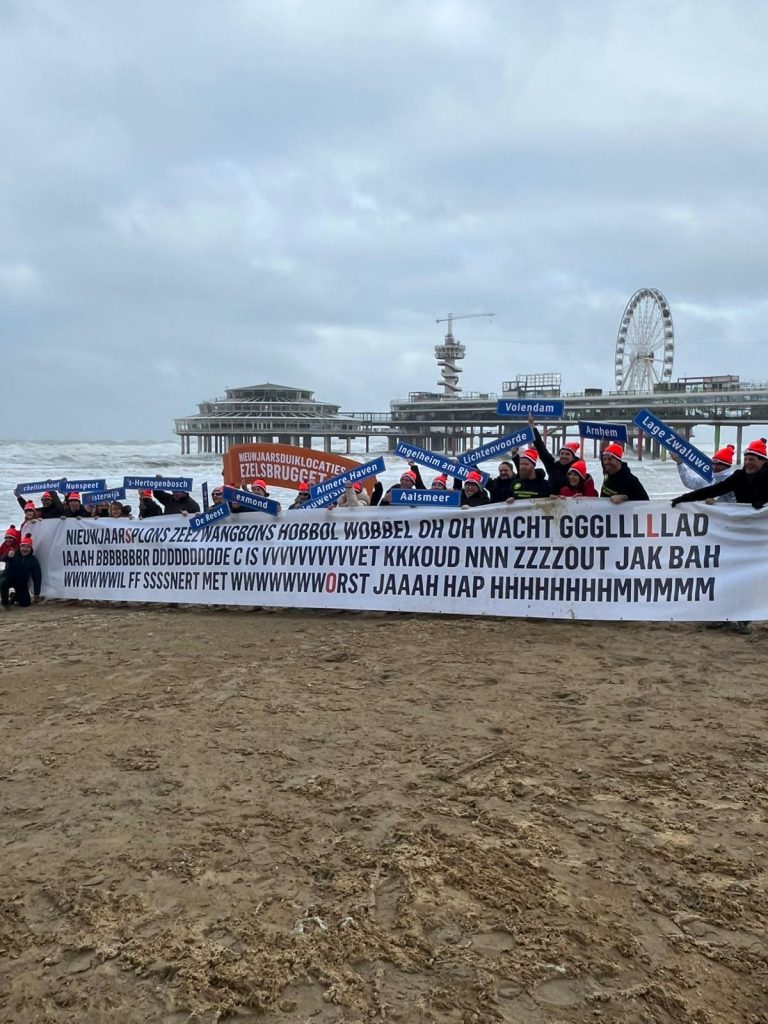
448	355
450	352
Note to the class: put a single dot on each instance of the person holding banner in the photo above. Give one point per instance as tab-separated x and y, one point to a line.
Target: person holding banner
147	507
529	484
354	496
21	568
406	482
748	485
73	507
473	494
557	469
619	483
176	503
722	468
580	483
500	488
50	504
302	497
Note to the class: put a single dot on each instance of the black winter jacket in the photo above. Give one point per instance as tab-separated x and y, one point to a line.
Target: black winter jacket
748	489
175	506
624	482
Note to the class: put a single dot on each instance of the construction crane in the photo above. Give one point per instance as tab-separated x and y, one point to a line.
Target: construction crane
450	352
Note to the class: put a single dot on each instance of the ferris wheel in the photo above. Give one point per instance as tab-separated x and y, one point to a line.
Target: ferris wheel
645	344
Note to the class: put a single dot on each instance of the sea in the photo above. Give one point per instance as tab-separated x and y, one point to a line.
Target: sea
25	461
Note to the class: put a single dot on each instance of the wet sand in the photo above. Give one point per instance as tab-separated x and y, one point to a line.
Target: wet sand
290	817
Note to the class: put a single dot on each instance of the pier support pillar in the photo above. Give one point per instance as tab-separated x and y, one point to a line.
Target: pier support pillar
739	440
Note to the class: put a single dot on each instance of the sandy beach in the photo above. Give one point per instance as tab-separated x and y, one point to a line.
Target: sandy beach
304	817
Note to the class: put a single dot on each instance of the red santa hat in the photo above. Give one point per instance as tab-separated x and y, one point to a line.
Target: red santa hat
262	484
47	494
757	448
531	454
29	506
13	534
614	450
440	481
474	478
579	467
724	455
145	494
27	540
304	488
572	447
408	475
73	496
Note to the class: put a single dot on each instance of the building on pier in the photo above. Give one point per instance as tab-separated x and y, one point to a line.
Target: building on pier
271	413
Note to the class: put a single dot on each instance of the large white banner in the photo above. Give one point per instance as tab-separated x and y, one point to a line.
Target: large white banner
579	559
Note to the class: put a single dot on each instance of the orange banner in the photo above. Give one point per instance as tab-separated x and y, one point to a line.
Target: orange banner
282	465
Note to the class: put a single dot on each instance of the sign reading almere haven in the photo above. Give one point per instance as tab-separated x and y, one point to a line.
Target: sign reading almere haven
575	558
283	465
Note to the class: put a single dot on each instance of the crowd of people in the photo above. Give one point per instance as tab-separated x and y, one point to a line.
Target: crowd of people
533	473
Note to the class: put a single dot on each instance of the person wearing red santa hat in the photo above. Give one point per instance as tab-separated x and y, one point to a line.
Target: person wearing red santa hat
50	504
439	483
580	483
302	497
556	468
619	482
529	483
10	542
722	467
408	480
20	570
473	494
749	485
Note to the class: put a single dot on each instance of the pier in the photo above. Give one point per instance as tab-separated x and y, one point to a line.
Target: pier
450	424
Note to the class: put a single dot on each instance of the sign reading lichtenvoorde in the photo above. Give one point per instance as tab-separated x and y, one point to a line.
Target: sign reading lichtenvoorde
568	559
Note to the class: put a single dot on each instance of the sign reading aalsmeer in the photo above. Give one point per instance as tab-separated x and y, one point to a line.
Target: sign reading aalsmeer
414	496
546	407
336	484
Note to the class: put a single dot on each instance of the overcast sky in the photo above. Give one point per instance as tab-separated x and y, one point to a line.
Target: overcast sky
203	193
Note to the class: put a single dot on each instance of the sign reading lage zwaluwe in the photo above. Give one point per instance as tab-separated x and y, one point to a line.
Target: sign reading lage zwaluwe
609	431
254	502
435	461
675	443
541	407
523	436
